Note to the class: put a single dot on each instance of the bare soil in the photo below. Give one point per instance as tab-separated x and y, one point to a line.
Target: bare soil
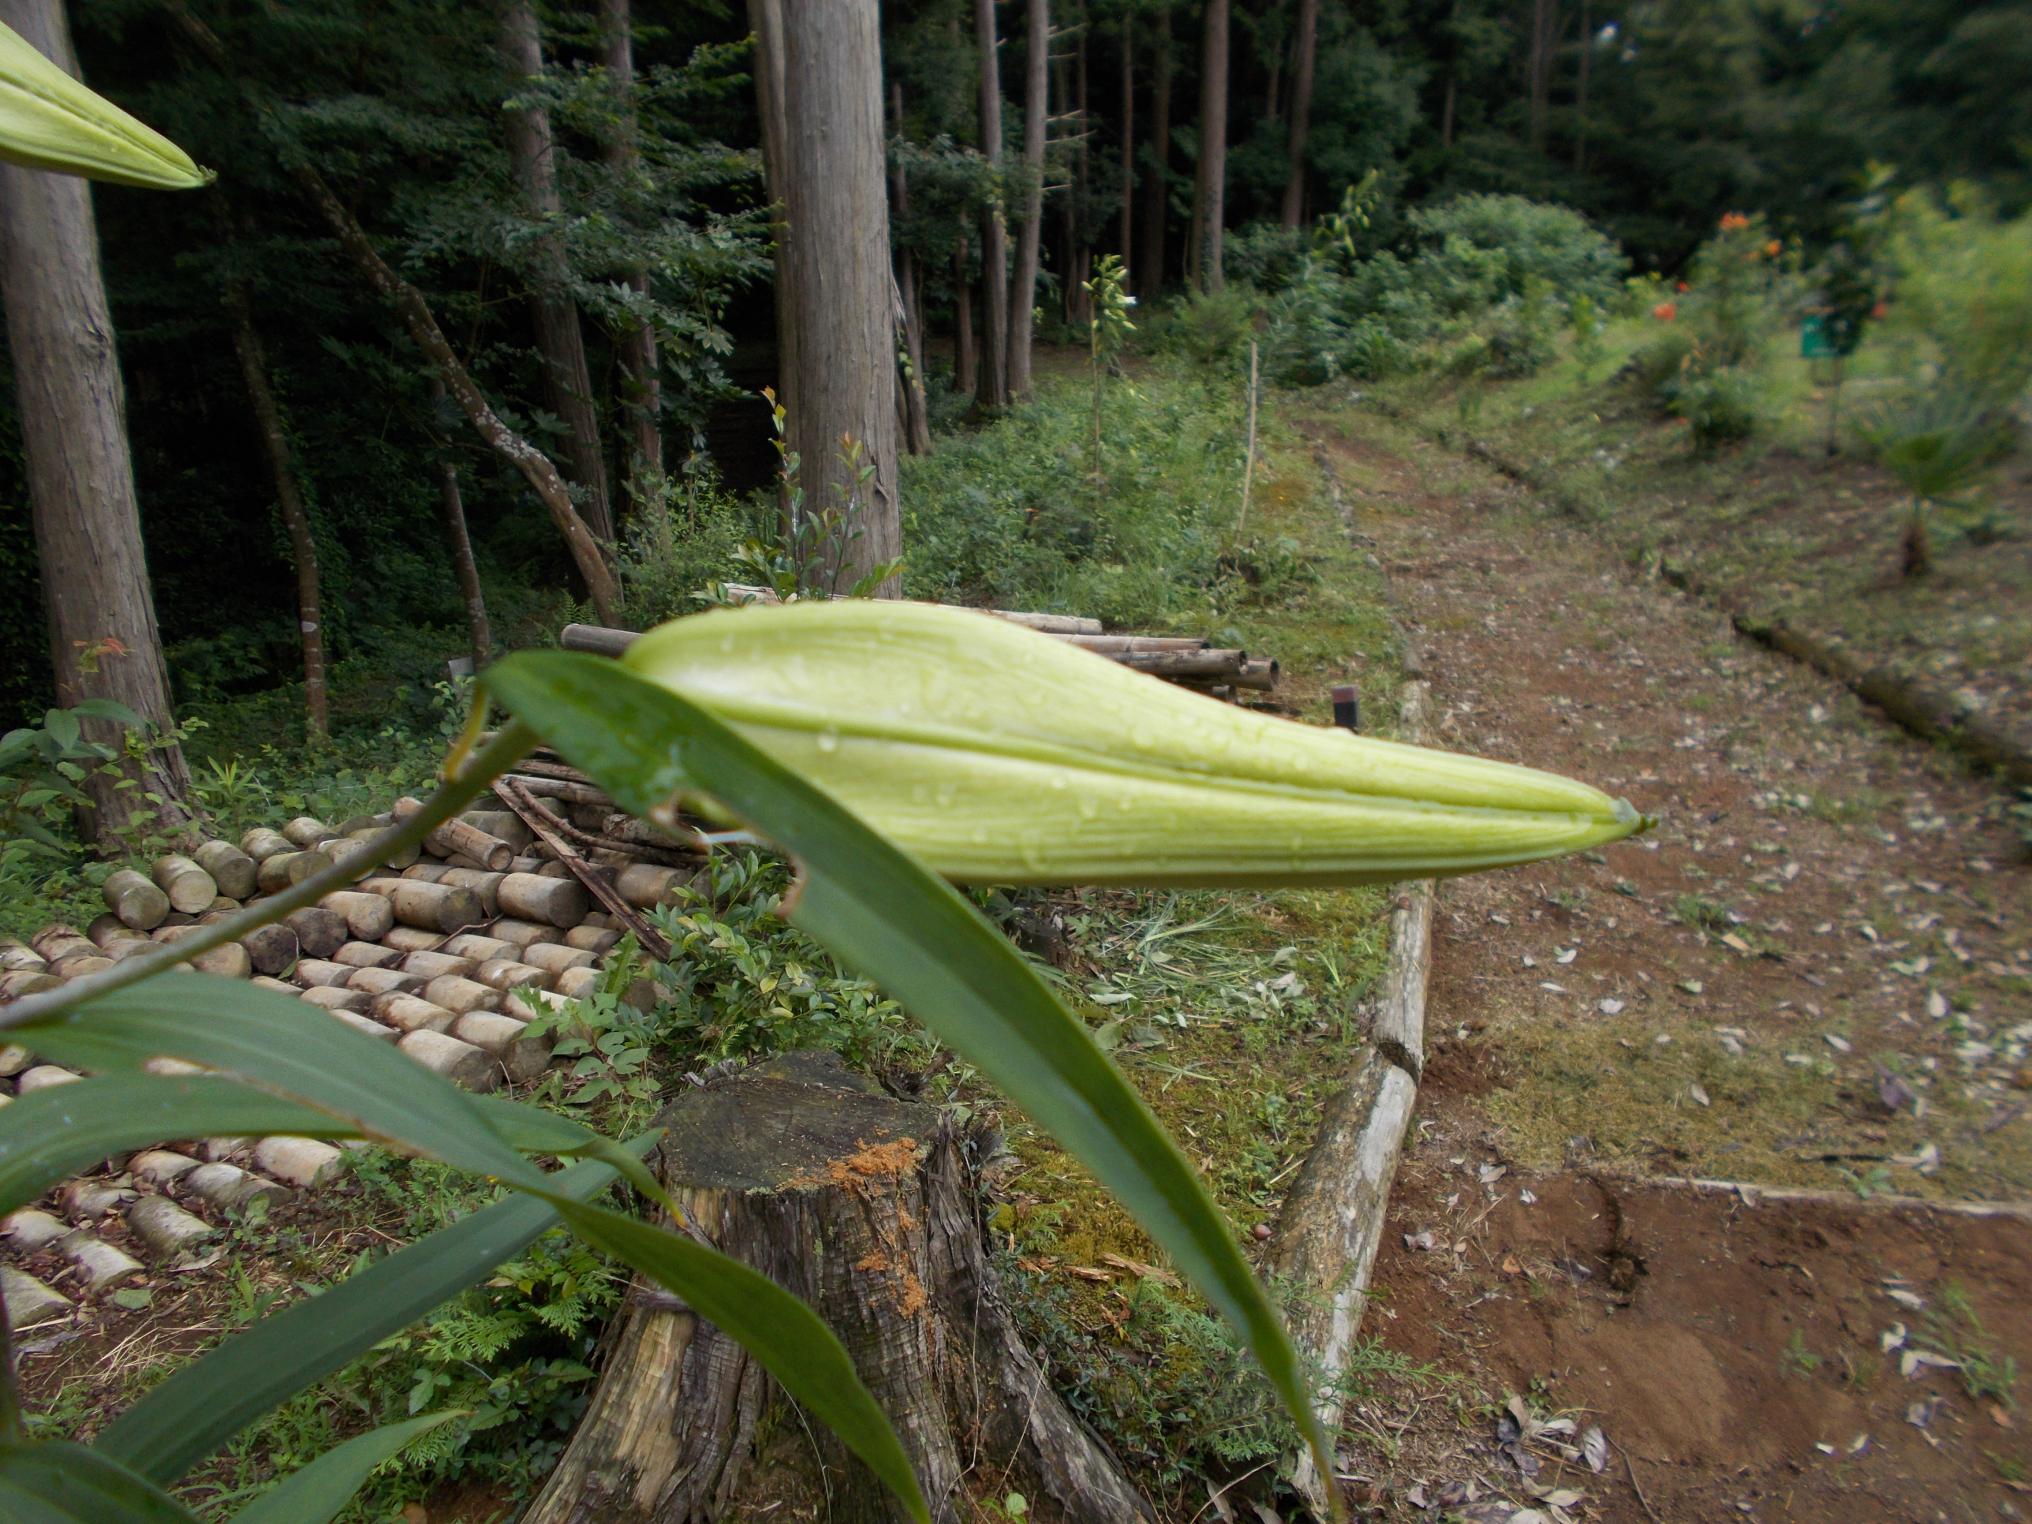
1815	971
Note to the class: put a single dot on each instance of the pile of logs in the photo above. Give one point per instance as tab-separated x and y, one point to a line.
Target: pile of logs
1188	660
445	952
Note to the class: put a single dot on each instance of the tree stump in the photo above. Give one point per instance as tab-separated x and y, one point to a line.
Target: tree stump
863	1206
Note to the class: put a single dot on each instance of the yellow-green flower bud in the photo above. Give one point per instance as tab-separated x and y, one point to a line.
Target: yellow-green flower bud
50	121
998	755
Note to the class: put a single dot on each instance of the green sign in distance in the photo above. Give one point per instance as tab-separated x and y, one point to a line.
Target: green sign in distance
1815	342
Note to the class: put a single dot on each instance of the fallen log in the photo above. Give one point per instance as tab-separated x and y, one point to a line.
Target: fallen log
1331	1224
460	836
189	887
859	1204
139	903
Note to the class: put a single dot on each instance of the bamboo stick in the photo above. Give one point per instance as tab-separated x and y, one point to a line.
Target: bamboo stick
261	843
285	870
368	916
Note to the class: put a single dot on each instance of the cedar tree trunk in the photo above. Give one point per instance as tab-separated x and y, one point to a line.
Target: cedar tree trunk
104	643
642	384
819	76
1124	238
289	501
992	389
1157	188
559	341
1036	118
1213	148
1301	110
452	511
915	421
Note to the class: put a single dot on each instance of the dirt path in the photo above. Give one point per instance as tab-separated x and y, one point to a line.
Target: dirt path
1816	971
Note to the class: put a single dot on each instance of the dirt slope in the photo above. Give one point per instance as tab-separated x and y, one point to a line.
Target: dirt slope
1816	971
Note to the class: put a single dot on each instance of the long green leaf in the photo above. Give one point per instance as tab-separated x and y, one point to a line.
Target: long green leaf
792	1342
313	1494
63	1483
49	1135
207	1402
282	1045
884	914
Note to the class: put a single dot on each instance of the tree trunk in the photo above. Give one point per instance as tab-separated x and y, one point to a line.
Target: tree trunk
1036	118
964	358
289	503
992	389
1544	39
1157	189
1301	110
862	1206
1587	47
104	642
642	384
1213	146
1124	238
1446	113
1080	257
911	412
559	340
1915	550
452	510
819	76
536	467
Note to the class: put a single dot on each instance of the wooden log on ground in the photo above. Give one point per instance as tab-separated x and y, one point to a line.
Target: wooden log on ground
558	902
189	887
139	903
108	931
231	961
231	869
455	835
271	949
1224	665
859	1204
504	824
319	932
308	831
443	908
395	861
261	843
1331	1224
368	916
282	870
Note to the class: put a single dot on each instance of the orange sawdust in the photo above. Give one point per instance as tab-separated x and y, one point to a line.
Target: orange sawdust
873	1161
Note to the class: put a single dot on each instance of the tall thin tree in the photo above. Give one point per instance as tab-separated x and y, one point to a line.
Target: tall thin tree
1036	119
103	637
290	504
1544	43
1125	238
818	75
1157	166
913	416
1211	186
992	389
458	542
559	340
1307	45
642	386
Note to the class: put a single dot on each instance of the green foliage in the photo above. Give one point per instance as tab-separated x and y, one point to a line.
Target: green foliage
1723	405
742	982
1964	291
1481	250
684	533
1005	517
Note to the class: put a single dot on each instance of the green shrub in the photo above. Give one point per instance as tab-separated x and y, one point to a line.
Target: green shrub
683	533
1659	361
1482	249
1268	257
1721	405
1007	516
1211	329
1964	291
1521	337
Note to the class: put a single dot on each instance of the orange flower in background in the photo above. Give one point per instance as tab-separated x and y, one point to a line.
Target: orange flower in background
1665	312
1772	248
1734	222
1683	287
1881	311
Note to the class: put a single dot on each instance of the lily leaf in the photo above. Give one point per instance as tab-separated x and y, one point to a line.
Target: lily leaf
998	755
